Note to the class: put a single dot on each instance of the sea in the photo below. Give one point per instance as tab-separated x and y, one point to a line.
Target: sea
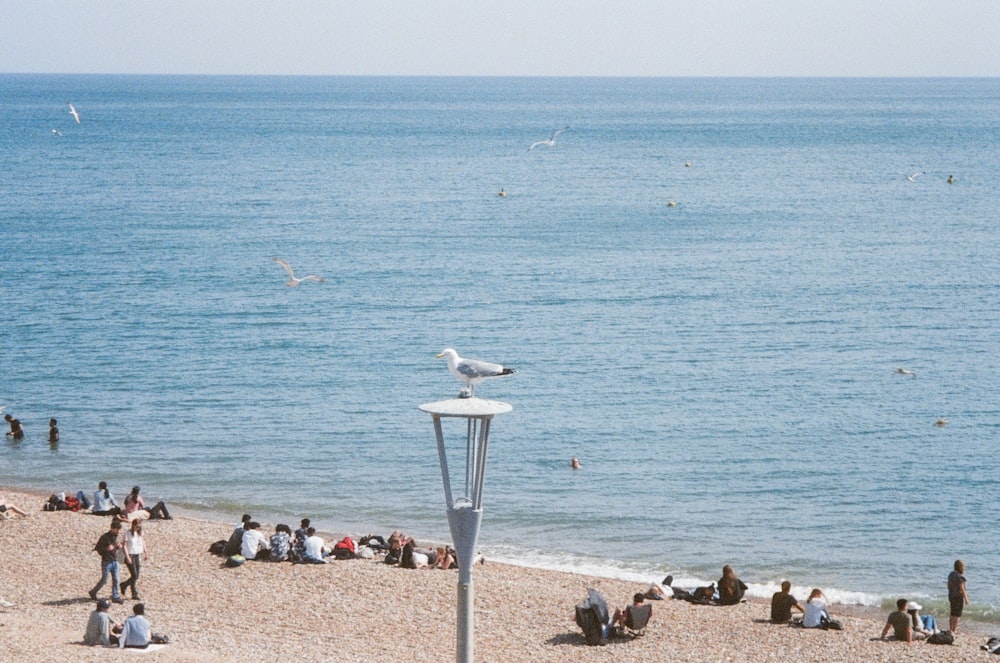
705	285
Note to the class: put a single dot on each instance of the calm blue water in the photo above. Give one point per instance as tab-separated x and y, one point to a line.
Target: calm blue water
724	368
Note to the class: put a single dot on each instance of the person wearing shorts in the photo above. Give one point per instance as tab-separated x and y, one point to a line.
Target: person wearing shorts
956	594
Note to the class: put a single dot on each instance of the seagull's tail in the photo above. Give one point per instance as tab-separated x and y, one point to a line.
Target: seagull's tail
507	371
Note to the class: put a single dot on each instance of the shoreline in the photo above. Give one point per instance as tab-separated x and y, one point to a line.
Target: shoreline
360	609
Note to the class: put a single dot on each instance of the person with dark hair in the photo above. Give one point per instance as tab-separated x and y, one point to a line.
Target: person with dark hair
108	546
899	622
235	541
315	548
782	604
136	631
16	430
104	502
281	543
101	629
957	596
731	588
299	542
134	504
135	555
622	618
253	542
53	432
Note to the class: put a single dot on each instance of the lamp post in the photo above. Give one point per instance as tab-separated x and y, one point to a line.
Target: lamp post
465	510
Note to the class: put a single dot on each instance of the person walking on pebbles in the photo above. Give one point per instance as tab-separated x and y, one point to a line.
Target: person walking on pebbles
108	546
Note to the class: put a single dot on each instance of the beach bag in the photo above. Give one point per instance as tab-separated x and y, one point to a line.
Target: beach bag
218	548
72	503
941	638
830	624
235	560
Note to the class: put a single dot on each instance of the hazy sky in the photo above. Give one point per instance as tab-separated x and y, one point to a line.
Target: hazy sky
490	37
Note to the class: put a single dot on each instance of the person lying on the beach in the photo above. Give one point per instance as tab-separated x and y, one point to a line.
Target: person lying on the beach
6	508
134	505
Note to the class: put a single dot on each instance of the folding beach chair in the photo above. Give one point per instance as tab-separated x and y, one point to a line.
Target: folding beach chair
636	618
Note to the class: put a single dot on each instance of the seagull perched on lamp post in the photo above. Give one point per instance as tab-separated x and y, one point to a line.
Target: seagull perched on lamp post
471	371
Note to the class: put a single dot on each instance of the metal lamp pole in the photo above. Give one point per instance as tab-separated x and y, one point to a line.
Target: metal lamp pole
465	511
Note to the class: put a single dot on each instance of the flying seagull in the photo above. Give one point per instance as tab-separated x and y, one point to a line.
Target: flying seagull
471	371
56	132
291	275
72	111
941	423
915	175
550	142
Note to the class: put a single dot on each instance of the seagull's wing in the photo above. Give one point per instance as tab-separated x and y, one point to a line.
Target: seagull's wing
474	368
288	268
537	143
558	131
312	277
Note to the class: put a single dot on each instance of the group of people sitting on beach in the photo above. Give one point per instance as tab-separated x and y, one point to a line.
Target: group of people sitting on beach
133	633
306	546
906	623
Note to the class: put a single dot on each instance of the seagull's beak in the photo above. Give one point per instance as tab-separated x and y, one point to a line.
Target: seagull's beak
439	355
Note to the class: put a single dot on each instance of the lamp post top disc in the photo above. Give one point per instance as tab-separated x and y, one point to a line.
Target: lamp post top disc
466	407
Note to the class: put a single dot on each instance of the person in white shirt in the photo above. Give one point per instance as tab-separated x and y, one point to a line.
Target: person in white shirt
253	542
315	547
135	555
815	609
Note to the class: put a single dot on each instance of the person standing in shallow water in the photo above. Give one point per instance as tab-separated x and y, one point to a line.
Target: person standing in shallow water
956	594
53	432
16	430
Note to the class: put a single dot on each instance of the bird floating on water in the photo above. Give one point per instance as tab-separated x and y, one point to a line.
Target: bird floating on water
940	423
291	275
72	111
550	142
471	371
905	371
502	194
671	203
951	179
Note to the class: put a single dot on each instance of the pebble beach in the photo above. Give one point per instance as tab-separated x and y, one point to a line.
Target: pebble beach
360	610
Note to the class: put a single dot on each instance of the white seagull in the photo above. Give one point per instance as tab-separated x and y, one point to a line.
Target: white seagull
56	132
915	175
471	371
550	142
295	281
72	111
941	423
905	371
